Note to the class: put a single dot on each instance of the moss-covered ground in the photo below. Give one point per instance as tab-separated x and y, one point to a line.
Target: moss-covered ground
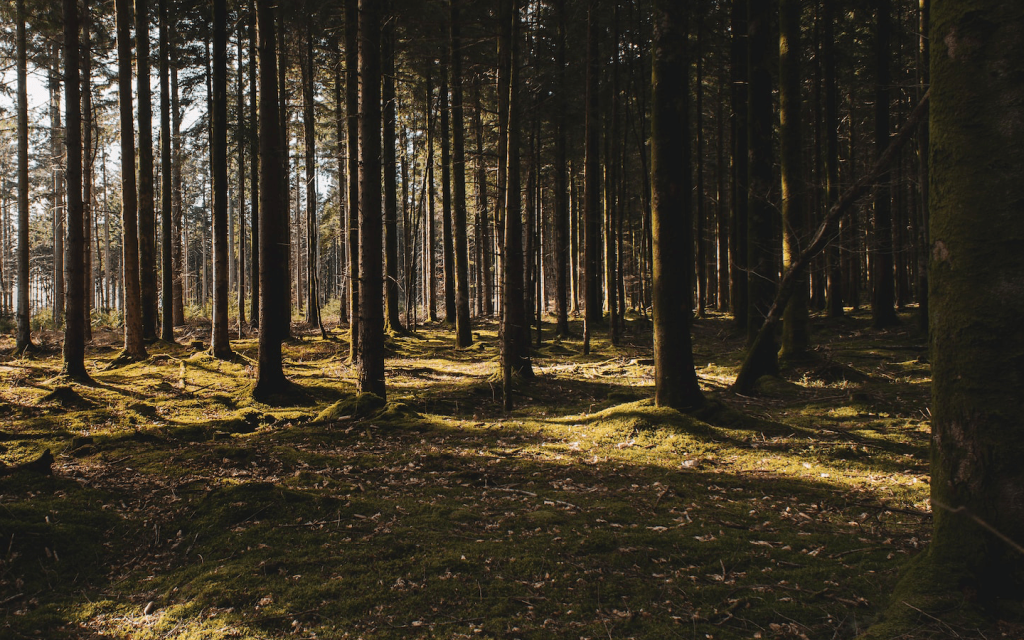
181	509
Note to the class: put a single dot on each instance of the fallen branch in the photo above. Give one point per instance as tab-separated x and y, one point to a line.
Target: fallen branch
753	365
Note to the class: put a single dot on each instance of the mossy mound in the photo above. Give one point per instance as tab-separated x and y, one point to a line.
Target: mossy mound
635	417
67	397
776	387
361	405
245	421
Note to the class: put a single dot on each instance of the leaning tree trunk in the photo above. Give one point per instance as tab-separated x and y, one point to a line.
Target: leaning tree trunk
134	348
74	328
975	297
147	206
221	345
24	337
371	307
672	217
166	182
463	329
270	378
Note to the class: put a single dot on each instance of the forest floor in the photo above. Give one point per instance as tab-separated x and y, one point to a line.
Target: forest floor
178	508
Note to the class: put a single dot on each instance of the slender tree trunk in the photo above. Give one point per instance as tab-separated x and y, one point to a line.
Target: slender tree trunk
342	156
352	115
463	329
834	302
74	332
392	319
273	209
371	307
147	205
312	226
254	175
561	189
447	241
88	155
924	55
738	72
977	222
241	140
760	228
701	210
430	251
221	345
56	155
611	203
485	240
883	310
675	378
178	264
166	182
134	348
285	177
795	319
592	198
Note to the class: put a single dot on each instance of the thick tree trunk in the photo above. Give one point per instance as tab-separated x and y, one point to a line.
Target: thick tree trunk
147	205
273	210
672	218
761	248
24	336
74	332
166	182
392	318
977	225
592	198
371	307
795	336
221	345
883	300
134	348
463	329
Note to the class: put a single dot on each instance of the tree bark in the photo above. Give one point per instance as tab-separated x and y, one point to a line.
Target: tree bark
134	348
24	336
312	225
463	329
273	210
166	182
560	179
179	265
672	217
738	65
147	205
371	307
352	115
74	331
834	302
486	240
795	336
594	314
975	276
883	300
447	242
88	155
241	141
392	318
221	345
254	175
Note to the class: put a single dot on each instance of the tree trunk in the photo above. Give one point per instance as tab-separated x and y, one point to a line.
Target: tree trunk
977	222
273	210
834	302
241	140
561	189
700	242
738	71
74	332
592	199
761	247
134	348
486	240
221	345
447	242
179	264
371	307
924	59
88	155
795	319
463	329
24	337
352	116
312	226
883	300
392	319
147	205
672	217
254	175
56	157
166	182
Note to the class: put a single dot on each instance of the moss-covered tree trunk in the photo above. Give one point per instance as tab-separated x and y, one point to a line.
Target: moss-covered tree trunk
976	290
672	216
463	329
795	317
134	347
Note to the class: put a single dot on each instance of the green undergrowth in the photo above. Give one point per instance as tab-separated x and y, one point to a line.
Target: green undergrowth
179	508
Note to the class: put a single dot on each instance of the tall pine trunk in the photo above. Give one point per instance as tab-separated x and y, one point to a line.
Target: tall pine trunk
147	205
221	345
592	199
24	336
463	330
392	319
561	189
166	182
352	118
883	300
254	175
